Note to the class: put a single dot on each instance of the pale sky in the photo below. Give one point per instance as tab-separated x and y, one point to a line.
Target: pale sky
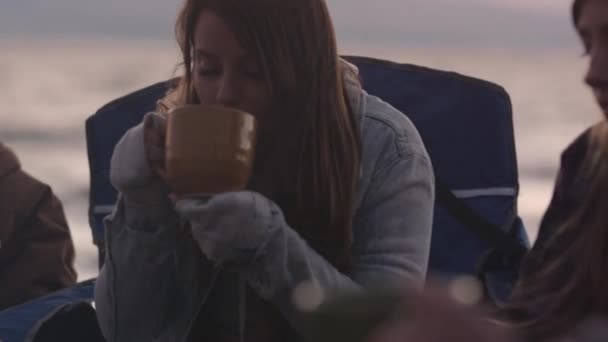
537	5
462	22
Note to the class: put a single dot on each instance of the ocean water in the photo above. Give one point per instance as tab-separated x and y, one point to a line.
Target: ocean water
49	88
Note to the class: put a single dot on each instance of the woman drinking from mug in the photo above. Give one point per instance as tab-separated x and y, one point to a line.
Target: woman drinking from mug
564	279
340	197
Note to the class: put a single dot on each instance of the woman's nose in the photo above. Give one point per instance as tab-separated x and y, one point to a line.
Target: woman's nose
597	74
228	92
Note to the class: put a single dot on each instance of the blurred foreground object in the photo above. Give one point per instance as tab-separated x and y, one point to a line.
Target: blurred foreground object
391	316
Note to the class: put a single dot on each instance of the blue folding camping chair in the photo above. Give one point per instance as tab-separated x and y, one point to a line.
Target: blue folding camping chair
467	127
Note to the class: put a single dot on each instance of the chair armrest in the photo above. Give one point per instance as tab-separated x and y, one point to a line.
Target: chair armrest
19	322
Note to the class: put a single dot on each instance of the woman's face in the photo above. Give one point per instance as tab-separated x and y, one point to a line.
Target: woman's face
593	30
224	73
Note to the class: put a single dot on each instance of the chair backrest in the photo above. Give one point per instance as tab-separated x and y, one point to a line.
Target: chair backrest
103	131
466	124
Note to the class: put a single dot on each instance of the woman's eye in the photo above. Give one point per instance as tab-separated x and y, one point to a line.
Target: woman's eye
209	72
252	71
254	74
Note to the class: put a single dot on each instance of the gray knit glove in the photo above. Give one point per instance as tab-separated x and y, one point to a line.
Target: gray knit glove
131	170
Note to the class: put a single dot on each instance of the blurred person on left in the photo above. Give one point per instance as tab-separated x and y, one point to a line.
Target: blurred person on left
36	248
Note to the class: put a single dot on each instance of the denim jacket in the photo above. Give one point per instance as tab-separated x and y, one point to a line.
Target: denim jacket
152	285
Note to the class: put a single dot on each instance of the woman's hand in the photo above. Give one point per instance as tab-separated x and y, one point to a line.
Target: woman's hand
231	228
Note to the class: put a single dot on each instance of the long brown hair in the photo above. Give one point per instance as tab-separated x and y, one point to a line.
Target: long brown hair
564	282
316	141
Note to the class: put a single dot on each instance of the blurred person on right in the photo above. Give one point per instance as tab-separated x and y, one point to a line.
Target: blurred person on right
563	281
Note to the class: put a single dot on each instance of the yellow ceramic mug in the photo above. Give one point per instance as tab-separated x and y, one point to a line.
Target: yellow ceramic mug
209	149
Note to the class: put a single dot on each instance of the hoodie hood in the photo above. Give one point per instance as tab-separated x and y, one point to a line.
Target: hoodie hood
354	90
8	161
